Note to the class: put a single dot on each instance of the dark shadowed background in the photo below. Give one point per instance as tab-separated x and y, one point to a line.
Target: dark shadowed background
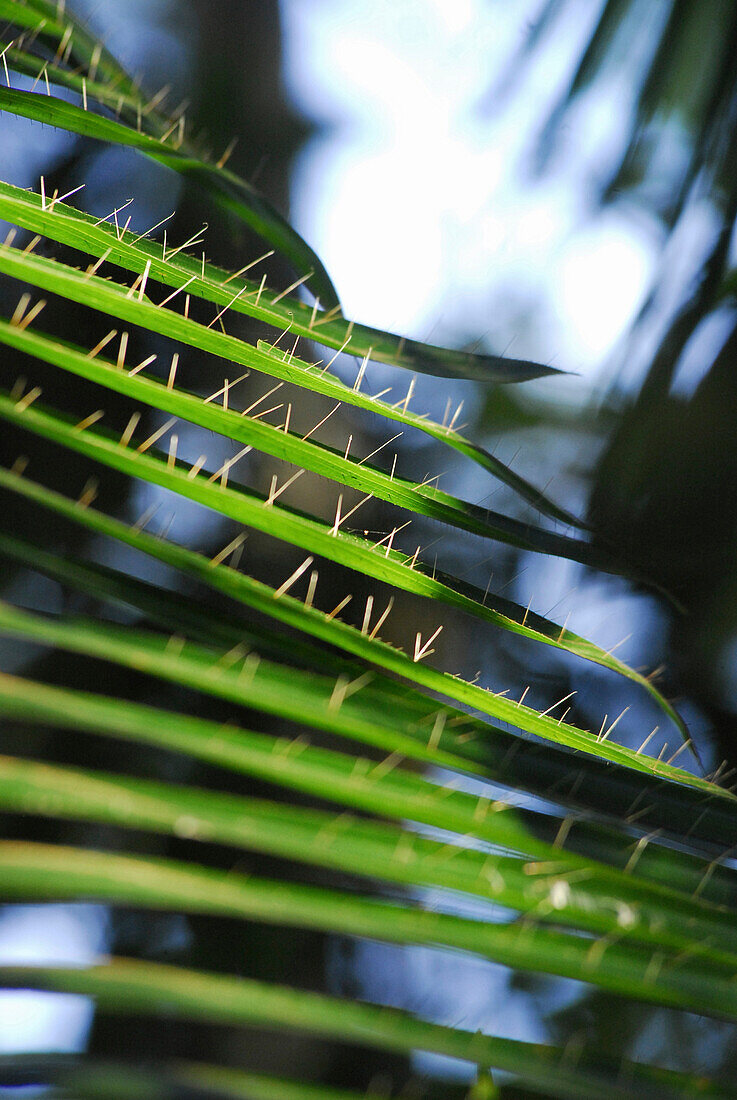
556	180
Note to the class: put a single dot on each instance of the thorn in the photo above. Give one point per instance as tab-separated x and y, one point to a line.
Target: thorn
4	64
338	694
260	290
339	607
381	448
61	198
142	365
25	402
294	577
20	465
155	436
168	132
233	545
175	645
242	270
367	614
291	287
554	705
43	182
156	226
196	468
385	766
336	525
31	245
625	639
173	371
250	665
129	429
88	420
311	588
331	313
120	361
144	280
20	309
89	493
320	423
225	389
392	533
285	425
227	307
648	739
84	94
343	689
394	464
171	460
260	399
330	362
193	240
227	153
341	519
314	313
437	730
281	336
348	447
12	234
31	315
564	628
147	516
604	736
266	412
677	753
407	399
275	493
96	265
172	296
527	612
421	650
294	348
382	618
456	414
95	61
113	214
156	99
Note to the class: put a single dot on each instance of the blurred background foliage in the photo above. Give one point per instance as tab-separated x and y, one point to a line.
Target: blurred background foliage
628	106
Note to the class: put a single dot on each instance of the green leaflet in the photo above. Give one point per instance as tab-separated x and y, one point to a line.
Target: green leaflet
332	630
602	900
677	870
226	189
32	871
425	500
382	563
95	1079
125	985
132	252
135	253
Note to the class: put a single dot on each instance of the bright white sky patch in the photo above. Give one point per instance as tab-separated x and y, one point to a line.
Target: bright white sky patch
417	196
602	278
64	935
